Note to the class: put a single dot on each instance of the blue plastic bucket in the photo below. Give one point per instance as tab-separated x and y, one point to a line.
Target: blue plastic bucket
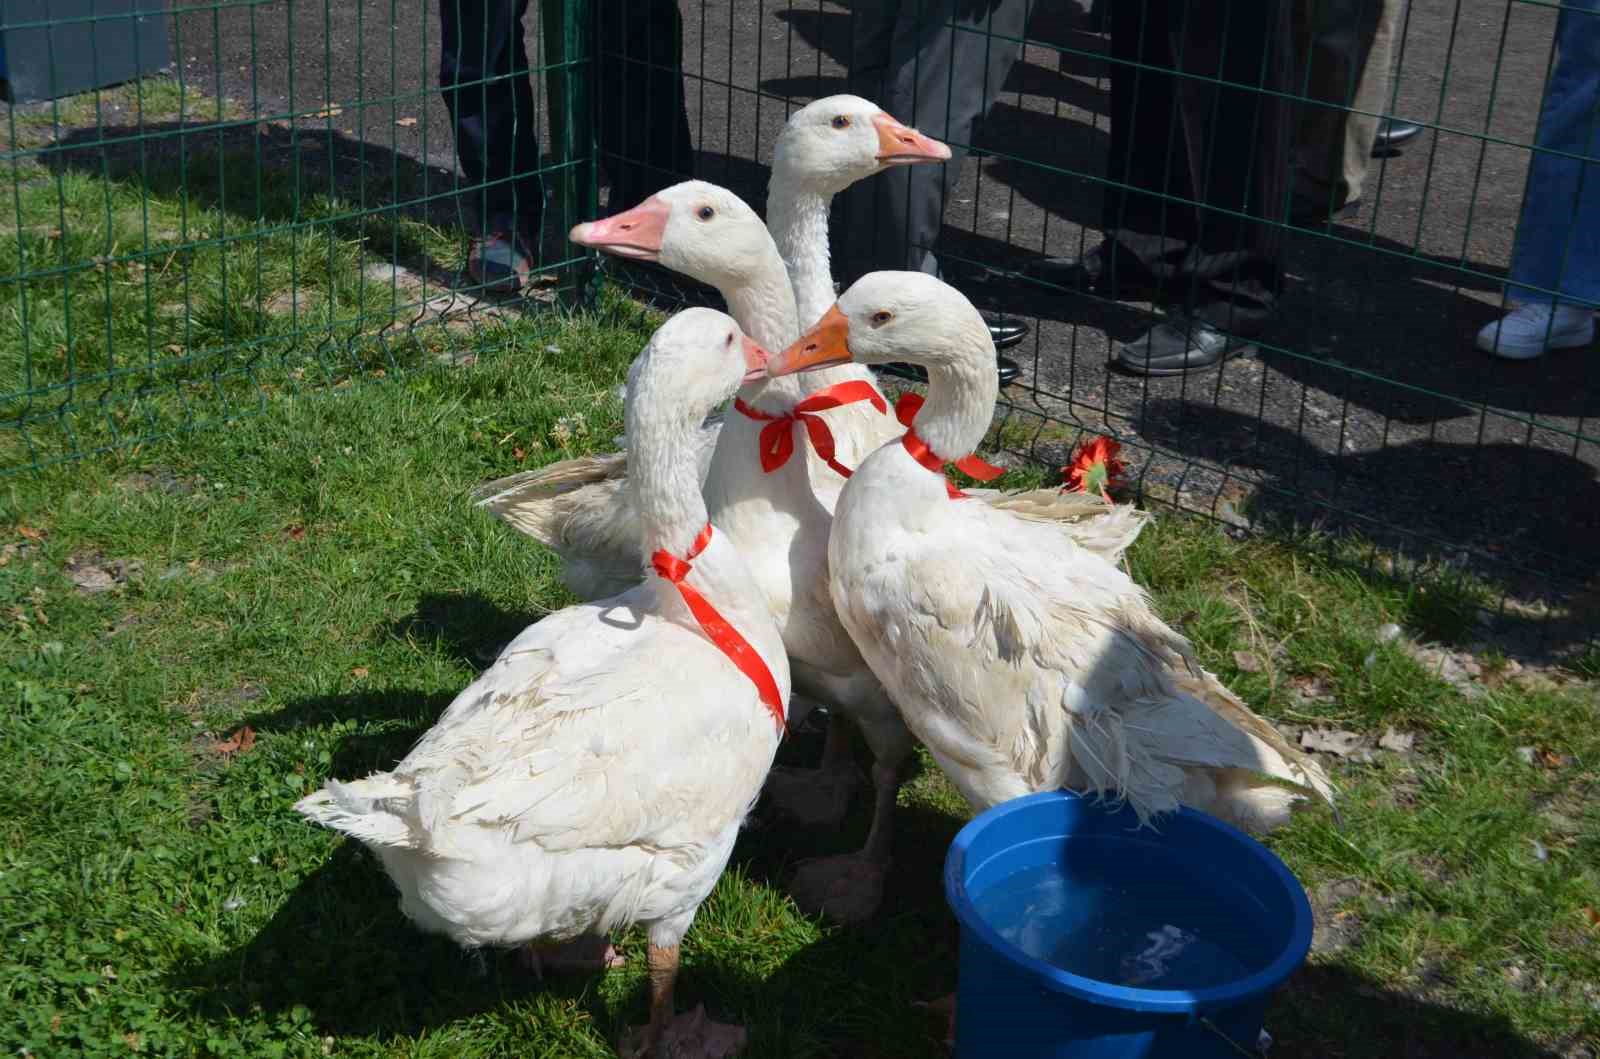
1014	1005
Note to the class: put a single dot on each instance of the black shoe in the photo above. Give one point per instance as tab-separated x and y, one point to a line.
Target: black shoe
1009	371
1177	345
1314	213
1392	132
1005	331
1127	281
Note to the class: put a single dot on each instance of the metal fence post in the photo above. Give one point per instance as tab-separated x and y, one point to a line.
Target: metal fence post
568	33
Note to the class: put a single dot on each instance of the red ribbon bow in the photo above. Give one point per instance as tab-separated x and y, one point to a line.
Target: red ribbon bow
905	410
716	627
777	439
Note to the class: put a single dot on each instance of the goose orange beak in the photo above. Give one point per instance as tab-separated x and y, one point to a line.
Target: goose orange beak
635	233
826	344
900	145
756	359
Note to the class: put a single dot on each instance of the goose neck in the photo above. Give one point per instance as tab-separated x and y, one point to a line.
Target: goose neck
959	407
797	217
665	481
763	303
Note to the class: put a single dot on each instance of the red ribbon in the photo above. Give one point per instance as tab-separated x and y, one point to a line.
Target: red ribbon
905	410
716	627
777	439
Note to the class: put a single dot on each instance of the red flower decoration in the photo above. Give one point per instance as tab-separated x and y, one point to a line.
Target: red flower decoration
1095	468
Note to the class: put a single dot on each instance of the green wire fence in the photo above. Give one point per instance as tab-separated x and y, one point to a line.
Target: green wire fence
269	202
272	200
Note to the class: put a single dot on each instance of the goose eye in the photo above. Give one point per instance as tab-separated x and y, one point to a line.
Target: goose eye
840	121
705	213
729	342
881	317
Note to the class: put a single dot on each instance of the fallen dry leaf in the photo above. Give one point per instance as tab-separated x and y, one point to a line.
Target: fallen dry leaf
328	112
297	532
1591	915
7	552
31	533
1247	661
1331	741
239	742
1311	687
518	454
1550	759
93	573
359	672
91	579
407	122
1399	742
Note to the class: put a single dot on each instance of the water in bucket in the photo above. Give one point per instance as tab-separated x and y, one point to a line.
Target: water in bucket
1152	931
1085	935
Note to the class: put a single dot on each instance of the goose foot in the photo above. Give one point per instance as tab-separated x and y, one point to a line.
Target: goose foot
688	1036
579	956
846	889
944	1006
813	797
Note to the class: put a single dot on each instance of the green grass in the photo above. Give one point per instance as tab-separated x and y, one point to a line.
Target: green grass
315	572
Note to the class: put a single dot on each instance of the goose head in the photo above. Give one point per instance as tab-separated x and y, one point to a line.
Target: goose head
693	363
893	316
698	229
835	141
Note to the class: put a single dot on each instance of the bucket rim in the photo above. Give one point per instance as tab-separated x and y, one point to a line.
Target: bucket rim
1193	1002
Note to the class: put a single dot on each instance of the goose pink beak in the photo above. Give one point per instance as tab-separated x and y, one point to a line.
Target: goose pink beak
635	233
826	344
756	359
900	145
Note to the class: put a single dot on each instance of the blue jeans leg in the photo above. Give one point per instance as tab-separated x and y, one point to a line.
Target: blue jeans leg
1558	237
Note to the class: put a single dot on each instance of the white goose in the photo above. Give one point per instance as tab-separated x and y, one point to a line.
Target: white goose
777	511
597	774
1022	661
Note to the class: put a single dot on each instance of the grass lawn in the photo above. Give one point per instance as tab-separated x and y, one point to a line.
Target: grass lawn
314	573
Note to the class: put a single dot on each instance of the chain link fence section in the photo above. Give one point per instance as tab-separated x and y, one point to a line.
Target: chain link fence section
275	207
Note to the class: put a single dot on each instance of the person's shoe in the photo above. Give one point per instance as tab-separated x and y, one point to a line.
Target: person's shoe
499	263
1530	330
1177	345
1005	331
1008	370
1306	212
1093	274
1392	132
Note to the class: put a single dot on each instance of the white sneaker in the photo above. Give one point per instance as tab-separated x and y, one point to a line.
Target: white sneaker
1530	330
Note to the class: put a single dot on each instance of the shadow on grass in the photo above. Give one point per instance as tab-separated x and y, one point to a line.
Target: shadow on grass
340	948
1488	502
1332	1010
267	175
465	625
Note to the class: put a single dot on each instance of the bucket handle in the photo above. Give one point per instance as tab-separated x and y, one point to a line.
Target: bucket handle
1257	1052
